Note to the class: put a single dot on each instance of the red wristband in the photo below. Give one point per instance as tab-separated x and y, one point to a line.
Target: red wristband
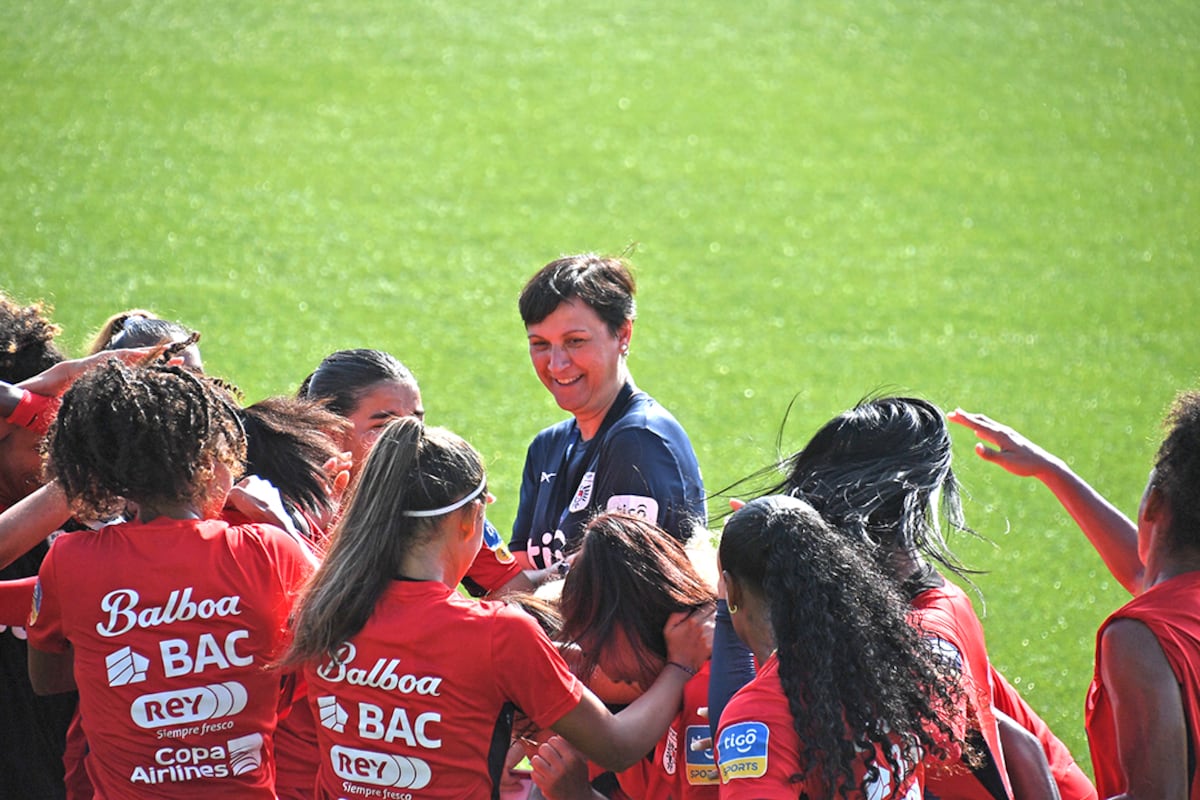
35	411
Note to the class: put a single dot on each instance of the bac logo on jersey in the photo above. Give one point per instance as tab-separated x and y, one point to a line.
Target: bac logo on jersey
742	751
125	666
583	495
333	716
945	652
635	504
701	768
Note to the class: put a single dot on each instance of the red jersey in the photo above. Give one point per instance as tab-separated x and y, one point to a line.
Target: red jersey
1171	610
171	641
758	750
420	694
296	752
1072	783
945	614
295	738
16	597
680	769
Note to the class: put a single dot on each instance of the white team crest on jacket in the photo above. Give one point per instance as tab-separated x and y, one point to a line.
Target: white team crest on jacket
583	495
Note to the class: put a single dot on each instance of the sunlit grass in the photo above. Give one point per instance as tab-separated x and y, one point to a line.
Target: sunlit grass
992	205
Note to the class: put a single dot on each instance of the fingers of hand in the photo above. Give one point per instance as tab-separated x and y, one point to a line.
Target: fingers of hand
516	752
549	763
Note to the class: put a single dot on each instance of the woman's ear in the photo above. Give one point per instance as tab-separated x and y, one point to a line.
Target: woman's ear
733	590
625	335
1156	514
1154	507
468	517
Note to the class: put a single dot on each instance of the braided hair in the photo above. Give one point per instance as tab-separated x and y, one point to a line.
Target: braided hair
149	434
858	678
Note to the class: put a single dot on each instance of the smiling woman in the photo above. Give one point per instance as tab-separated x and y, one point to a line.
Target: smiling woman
621	451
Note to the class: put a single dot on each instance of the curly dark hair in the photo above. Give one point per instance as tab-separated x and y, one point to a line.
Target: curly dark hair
1177	468
856	674
26	340
288	442
629	577
149	434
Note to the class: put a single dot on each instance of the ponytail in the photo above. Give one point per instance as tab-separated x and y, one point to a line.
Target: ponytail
857	677
410	468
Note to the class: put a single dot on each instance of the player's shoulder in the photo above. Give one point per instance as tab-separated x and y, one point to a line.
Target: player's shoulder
553	436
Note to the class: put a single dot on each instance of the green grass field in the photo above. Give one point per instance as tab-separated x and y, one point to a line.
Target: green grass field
992	205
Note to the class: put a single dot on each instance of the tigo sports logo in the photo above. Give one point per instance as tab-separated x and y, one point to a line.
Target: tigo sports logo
701	768
742	751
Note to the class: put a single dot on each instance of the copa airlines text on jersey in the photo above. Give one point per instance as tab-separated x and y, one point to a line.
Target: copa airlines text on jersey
124	614
381	676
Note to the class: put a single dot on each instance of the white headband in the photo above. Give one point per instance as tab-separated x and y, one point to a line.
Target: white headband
437	512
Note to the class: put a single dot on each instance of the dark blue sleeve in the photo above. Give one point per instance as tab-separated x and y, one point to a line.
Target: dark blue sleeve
524	519
639	473
732	666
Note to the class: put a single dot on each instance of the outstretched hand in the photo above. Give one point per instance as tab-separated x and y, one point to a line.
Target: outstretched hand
56	379
1013	452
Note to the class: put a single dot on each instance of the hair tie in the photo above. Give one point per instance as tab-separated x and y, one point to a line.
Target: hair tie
437	512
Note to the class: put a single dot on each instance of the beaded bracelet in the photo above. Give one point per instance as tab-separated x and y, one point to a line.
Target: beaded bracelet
691	672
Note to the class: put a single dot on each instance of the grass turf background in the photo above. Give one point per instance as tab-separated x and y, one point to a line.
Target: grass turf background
992	205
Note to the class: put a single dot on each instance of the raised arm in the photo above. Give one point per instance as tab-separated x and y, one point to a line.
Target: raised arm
55	380
1112	533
